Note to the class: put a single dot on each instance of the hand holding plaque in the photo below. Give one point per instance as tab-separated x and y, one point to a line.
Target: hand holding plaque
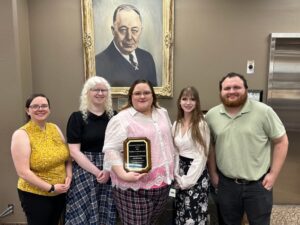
137	154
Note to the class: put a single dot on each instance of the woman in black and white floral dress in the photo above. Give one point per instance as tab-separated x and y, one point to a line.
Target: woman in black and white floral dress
191	137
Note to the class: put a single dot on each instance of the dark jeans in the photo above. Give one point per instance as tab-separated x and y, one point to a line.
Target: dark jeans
235	199
214	208
42	210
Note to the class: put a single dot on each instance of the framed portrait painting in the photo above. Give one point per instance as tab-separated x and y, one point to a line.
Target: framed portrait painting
128	40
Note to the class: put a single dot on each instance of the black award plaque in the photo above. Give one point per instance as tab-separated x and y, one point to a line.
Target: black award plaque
137	155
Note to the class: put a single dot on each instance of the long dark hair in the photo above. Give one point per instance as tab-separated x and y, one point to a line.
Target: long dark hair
197	116
30	99
129	102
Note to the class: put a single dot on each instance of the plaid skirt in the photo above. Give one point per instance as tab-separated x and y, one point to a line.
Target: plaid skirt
141	207
89	202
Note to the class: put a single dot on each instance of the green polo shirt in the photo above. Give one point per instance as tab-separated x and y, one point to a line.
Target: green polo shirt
243	142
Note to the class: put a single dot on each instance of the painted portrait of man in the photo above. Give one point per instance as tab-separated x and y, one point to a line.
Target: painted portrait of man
128	45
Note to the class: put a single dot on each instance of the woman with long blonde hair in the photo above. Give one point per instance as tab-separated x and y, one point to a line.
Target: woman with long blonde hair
89	199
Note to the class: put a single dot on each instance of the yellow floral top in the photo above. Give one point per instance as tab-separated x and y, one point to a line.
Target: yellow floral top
48	156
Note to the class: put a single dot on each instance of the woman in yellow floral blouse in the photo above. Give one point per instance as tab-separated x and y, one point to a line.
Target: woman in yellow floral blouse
41	159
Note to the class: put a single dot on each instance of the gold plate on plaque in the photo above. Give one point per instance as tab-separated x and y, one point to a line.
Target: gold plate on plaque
137	154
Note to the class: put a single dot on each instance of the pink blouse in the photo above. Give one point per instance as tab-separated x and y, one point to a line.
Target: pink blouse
131	123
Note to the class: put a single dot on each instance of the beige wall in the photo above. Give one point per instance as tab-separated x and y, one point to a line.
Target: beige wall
15	83
41	51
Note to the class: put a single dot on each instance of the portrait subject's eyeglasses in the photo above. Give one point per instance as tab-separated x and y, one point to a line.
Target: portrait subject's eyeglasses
140	93
37	107
98	90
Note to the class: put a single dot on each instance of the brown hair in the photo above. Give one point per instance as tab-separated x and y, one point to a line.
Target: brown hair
230	75
129	102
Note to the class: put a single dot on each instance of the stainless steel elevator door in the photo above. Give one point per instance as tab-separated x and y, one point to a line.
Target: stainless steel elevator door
284	79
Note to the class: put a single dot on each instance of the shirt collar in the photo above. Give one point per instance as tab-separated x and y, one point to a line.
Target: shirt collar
134	112
245	109
126	56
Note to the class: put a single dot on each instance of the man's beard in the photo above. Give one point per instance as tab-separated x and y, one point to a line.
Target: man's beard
238	102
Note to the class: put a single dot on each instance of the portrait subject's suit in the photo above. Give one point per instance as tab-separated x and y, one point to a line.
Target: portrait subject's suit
111	65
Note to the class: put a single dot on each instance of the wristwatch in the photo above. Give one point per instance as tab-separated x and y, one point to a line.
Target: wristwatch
52	189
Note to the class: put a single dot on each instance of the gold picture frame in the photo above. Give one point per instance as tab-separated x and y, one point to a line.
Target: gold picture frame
165	84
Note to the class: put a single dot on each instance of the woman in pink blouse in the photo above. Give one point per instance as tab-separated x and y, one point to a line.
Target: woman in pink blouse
140	197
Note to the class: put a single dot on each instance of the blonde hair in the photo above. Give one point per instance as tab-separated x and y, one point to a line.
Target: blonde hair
85	101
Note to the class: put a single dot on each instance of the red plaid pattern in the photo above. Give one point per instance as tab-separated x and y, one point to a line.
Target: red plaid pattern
141	207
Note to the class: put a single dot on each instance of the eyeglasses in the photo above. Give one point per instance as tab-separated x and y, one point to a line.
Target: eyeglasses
140	93
37	107
98	90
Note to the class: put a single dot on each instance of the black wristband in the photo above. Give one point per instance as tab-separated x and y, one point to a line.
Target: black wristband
52	189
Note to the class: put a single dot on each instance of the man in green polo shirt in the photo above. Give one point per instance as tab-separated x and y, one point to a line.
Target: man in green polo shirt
241	167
